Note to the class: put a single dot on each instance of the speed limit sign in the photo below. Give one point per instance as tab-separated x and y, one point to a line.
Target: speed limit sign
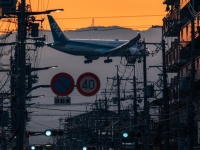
88	84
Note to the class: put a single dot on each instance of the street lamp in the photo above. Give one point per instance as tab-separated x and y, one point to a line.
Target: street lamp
44	68
29	97
53	10
36	87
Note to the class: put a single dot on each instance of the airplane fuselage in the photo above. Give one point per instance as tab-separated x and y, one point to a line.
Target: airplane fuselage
86	47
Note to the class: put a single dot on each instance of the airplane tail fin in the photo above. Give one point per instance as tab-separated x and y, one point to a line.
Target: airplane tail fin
58	35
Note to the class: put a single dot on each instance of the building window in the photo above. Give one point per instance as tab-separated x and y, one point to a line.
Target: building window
186	32
198	20
182	35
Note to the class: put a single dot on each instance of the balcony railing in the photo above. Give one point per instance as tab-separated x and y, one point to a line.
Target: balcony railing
176	57
185	33
171	23
185	70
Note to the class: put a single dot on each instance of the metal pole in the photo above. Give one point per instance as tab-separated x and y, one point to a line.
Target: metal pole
146	130
135	107
21	116
118	94
13	98
190	115
106	109
165	98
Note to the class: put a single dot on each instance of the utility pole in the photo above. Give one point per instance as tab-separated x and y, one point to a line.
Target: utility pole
20	70
190	109
106	109
146	107
118	96
135	107
165	98
20	80
13	98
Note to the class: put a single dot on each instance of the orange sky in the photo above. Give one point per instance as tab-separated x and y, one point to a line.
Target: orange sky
136	14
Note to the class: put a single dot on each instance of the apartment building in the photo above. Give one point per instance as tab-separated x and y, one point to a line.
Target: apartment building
182	23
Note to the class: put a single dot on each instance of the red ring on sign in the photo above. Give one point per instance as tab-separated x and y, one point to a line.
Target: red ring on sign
68	77
88	74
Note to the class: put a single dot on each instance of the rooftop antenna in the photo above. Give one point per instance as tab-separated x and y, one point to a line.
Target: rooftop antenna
92	25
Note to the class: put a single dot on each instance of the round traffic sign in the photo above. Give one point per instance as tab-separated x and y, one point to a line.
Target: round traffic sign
62	84
88	84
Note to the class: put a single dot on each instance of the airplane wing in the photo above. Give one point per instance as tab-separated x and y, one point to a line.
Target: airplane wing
121	48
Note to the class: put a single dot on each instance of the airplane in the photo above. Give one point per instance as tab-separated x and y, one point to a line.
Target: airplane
92	49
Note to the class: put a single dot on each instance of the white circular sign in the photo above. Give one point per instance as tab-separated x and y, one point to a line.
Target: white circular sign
88	84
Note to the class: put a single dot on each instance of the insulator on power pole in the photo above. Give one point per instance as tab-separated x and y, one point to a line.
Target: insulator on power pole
34	78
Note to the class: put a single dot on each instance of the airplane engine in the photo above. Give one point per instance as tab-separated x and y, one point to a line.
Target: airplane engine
131	55
133	51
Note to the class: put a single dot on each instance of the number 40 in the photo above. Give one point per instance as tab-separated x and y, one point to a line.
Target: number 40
88	84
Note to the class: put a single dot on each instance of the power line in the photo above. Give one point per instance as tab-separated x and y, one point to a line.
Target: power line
110	17
58	109
42	124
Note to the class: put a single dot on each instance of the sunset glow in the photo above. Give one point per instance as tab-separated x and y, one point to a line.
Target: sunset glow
136	14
